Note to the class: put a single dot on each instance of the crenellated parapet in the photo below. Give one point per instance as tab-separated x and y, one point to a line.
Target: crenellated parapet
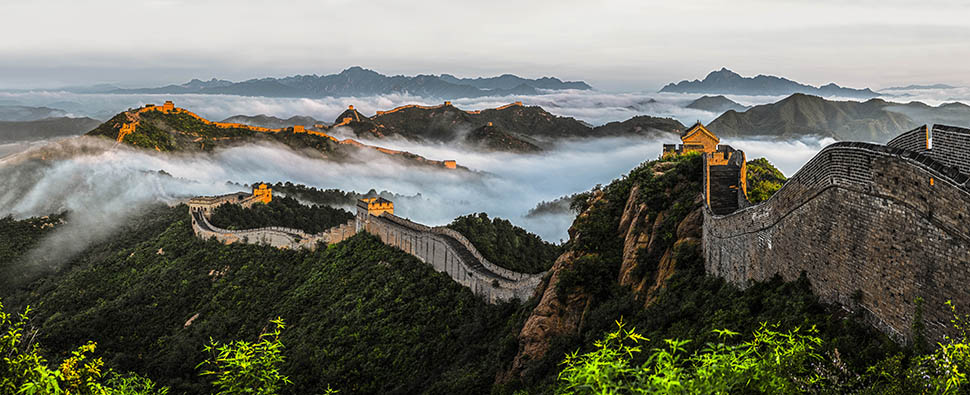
872	227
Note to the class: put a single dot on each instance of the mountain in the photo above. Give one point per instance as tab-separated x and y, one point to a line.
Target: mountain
45	128
514	127
26	113
802	115
168	128
271	122
716	104
357	81
726	81
919	87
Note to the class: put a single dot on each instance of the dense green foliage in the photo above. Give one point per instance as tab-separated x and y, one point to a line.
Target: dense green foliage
24	370
362	316
771	362
668	185
243	367
149	136
507	245
16	239
763	180
281	211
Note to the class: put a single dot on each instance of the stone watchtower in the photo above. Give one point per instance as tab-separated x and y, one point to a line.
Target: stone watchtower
263	193
374	206
725	168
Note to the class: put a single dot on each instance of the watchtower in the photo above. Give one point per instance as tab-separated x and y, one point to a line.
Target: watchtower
168	106
376	206
263	193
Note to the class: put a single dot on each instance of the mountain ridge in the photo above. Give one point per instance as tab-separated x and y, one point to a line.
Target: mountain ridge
358	81
801	115
725	81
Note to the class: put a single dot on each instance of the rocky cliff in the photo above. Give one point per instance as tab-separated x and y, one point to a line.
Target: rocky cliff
629	233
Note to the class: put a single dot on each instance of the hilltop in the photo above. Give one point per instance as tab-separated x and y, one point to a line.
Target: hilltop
169	128
358	81
800	115
725	81
716	104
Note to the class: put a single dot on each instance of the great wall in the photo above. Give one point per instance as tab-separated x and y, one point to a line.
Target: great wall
872	227
444	249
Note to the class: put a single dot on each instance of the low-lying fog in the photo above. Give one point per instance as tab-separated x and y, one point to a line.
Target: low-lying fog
594	107
103	183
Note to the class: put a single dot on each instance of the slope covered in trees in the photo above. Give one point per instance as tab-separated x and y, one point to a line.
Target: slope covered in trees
282	211
507	245
361	316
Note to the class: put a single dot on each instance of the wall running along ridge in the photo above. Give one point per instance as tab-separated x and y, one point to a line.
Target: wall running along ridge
133	121
873	227
443	248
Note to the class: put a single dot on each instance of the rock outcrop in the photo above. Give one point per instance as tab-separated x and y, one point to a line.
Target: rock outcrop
648	260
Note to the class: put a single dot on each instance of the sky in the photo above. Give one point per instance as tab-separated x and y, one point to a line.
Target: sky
615	46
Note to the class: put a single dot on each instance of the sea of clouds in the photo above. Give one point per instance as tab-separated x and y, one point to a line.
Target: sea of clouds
102	184
593	107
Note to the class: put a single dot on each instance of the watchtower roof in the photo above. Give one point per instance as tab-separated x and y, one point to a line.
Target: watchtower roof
698	128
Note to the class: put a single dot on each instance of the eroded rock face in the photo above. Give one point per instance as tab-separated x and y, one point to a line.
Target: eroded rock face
557	315
552	317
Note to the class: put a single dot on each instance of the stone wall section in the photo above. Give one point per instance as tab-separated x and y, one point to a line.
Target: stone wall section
872	227
444	249
450	252
279	237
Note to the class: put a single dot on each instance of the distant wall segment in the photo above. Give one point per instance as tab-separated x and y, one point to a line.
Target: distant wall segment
444	249
872	227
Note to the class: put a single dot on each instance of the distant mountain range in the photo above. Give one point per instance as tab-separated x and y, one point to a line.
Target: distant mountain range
919	87
45	128
357	81
801	115
271	122
25	113
726	81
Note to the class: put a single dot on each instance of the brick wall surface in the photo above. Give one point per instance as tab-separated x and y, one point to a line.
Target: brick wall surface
867	228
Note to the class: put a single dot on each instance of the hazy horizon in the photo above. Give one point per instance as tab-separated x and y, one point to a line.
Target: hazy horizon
863	44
